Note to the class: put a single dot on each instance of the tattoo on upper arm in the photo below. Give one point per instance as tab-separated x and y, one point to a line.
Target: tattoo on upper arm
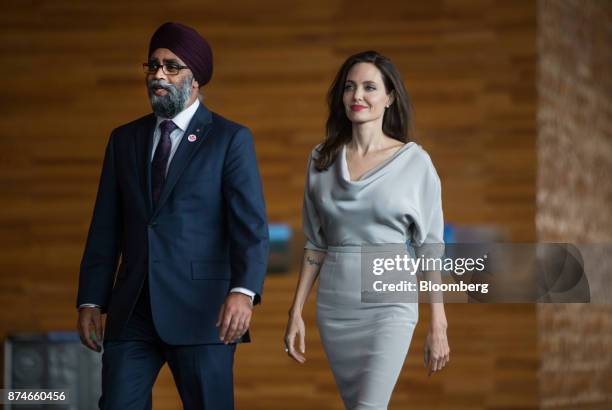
313	261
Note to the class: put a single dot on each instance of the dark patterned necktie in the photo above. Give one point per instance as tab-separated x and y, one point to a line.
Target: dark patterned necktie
160	159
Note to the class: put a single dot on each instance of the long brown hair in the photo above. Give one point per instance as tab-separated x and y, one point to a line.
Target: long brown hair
397	119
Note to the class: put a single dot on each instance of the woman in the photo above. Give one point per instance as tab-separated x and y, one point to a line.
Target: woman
366	184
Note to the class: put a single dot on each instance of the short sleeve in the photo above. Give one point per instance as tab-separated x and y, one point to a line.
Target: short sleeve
428	235
311	222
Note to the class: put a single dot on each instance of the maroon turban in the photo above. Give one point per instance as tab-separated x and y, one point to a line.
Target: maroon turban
188	45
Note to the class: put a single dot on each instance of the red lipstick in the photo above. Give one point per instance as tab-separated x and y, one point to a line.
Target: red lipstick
357	107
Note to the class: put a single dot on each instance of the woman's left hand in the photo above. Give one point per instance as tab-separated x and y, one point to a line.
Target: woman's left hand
437	352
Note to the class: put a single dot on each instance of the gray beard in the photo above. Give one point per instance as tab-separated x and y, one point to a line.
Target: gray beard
169	105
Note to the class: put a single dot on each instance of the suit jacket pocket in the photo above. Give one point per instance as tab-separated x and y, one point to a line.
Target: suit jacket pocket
204	269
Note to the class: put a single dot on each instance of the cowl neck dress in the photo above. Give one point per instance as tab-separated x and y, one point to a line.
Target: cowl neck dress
394	203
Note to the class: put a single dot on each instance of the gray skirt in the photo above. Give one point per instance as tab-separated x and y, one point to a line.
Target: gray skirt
365	343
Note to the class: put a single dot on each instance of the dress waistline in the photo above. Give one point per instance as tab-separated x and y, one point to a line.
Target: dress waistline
370	248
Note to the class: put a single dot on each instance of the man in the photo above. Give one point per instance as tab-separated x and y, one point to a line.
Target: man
180	200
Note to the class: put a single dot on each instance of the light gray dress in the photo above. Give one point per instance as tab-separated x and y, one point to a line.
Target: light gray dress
398	201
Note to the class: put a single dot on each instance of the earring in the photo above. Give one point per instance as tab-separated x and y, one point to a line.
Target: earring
386	106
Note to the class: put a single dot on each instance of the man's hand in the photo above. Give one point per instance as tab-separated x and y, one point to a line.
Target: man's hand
89	317
234	317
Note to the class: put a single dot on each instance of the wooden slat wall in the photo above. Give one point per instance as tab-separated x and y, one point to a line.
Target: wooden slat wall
71	73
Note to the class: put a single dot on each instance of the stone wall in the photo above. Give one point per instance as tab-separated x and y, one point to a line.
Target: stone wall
574	192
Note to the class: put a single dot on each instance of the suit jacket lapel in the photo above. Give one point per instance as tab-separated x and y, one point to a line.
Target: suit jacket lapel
198	127
143	145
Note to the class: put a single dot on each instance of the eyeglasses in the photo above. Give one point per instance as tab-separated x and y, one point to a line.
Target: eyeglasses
167	68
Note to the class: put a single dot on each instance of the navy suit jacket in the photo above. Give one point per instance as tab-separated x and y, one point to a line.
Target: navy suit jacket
208	233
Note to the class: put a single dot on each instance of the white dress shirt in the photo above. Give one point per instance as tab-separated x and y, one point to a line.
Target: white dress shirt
181	120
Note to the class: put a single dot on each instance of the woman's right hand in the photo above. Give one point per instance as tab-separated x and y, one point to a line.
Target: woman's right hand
295	329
